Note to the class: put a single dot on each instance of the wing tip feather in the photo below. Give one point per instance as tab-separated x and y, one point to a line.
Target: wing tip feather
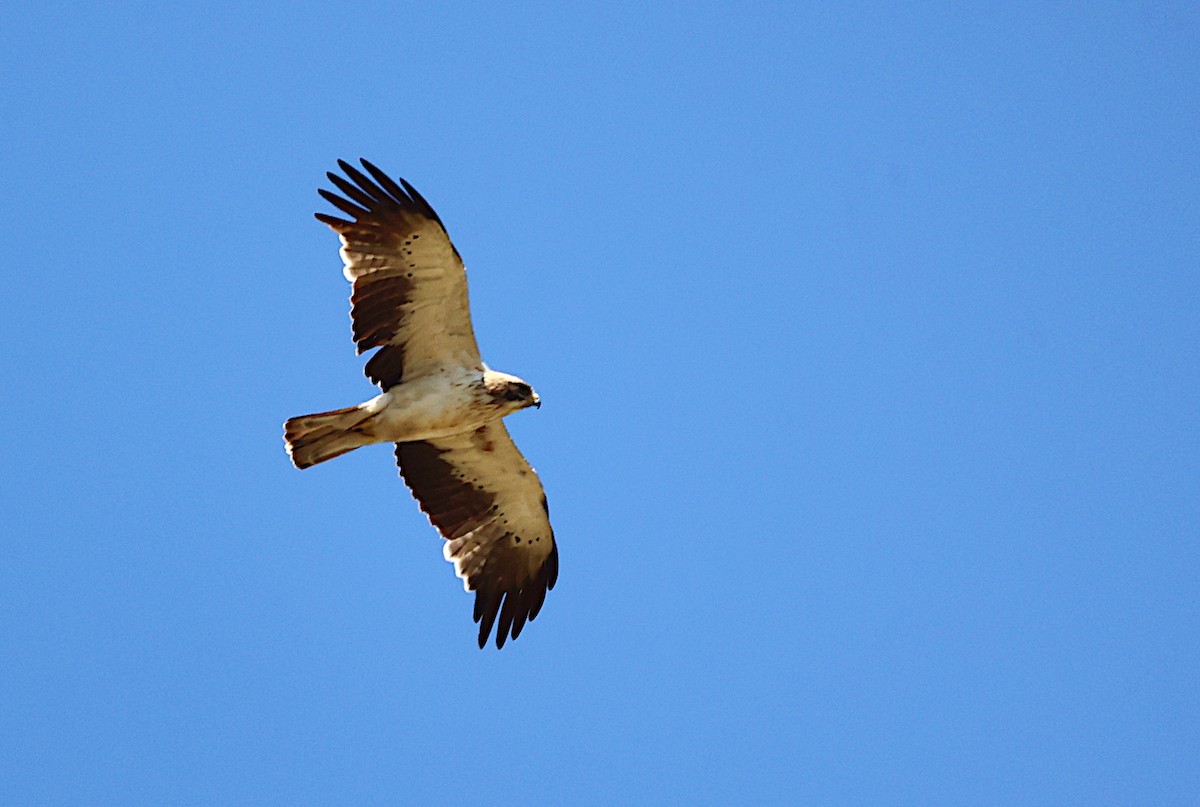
333	221
384	192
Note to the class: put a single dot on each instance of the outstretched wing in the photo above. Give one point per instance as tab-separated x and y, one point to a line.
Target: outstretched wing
488	504
410	288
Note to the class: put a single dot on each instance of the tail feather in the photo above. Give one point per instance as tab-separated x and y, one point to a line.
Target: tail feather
316	438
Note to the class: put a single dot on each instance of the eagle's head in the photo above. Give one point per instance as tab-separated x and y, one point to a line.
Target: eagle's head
509	393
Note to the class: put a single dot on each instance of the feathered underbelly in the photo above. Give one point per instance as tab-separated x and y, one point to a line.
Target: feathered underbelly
428	409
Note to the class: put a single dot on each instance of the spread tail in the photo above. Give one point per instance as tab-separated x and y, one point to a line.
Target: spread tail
315	438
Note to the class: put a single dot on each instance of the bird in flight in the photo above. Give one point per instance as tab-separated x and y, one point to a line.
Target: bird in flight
440	405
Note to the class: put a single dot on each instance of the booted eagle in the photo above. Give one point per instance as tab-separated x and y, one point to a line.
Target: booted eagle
440	405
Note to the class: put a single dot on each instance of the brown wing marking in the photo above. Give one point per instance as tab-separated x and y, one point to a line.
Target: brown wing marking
408	277
480	501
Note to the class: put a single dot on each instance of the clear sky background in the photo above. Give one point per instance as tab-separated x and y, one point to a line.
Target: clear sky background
867	340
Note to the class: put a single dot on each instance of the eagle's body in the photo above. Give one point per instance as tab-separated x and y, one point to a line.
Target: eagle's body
440	405
429	407
434	406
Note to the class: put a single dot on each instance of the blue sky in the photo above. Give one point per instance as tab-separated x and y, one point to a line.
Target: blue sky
867	340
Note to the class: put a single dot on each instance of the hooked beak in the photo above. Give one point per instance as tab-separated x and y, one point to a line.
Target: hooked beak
537	402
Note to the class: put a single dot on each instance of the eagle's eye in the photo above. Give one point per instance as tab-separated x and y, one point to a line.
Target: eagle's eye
518	392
